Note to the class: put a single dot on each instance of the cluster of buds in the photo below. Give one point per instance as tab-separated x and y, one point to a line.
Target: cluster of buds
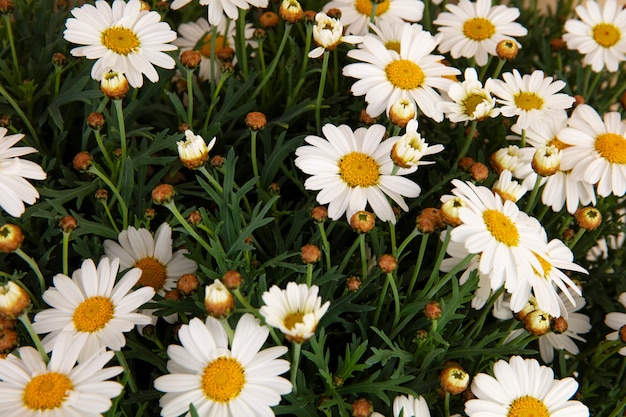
430	220
477	170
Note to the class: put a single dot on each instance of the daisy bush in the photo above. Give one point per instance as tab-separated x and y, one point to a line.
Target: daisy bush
225	208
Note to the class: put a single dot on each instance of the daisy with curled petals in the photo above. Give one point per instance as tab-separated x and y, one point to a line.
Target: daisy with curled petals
521	387
14	189
327	34
410	406
533	98
295	311
92	305
352	169
217	8
160	269
385	76
473	30
29	387
241	381
599	34
356	14
597	153
122	38
409	150
470	100
617	322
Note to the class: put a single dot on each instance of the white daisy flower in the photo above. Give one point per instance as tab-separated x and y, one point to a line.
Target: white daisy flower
122	38
30	387
410	406
218	381
389	33
352	169
14	189
385	76
410	148
92	305
217	8
523	387
518	161
507	188
356	14
599	34
473	30
617	322
598	151
533	98
327	34
295	311
470	100
160	269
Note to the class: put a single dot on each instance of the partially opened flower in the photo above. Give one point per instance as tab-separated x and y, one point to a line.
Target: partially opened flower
327	34
194	151
356	14
410	406
409	150
470	100
617	322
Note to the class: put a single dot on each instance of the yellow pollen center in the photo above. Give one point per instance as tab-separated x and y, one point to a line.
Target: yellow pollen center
501	227
365	7
93	314
393	46
359	170
478	29
46	391
120	40
223	379
528	101
558	144
528	407
606	34
405	74
205	45
153	273
292	319
611	147
471	102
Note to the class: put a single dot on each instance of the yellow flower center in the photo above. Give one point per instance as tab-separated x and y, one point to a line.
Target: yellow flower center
501	227
611	147
471	102
205	45
365	7
405	74
46	391
528	407
558	144
478	29
120	40
93	314
545	266
393	46
292	319
223	379
606	34
153	273
359	170
528	101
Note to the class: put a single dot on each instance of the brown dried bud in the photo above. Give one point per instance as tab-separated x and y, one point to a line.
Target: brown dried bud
148	331
291	11
429	220
5	120
173	295
310	254
268	20
338	381
6	6
114	85
421	335
309	16
8	340
537	322
58	59
466	163
217	161
557	44
187	284
453	378
117	152
479	171
82	161
387	263
95	120
622	99
68	224
319	214
162	194
432	310
226	54
353	283
232	280
13	300
366	119
450	211
335	13
194	218
559	325
622	333
362	408
362	221
227	68
190	58
7	323
218	301
183	127
259	34
507	49
274	188
588	218
149	213
255	120
11	238
578	99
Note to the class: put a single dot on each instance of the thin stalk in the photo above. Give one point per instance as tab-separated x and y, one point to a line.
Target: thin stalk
211	179
174	210
213	57
214	98
105	154
325	244
309	274
123	208
418	263
576	238
7	23
406	241
110	217
122	129
255	166
20	113
363	256
320	92
483	70
381	300
533	195
33	265
34	337
297	347
274	63
190	96
66	245
446	404
131	379
241	39
496	72
392	238
468	141
396	299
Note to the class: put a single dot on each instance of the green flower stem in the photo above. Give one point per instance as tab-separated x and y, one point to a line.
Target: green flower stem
434	275
484	68
594	82
325	244
214	98
274	63
530	204
523	140
211	179
373	13
406	241
496	72
255	166
446	404
212	53
21	114
66	245
57	79
110	217
123	208
105	154
361	240
7	24
241	40
576	238
418	263
172	208
305	58
297	347
229	330
396	299
33	335
585	88
618	408
33	265
122	128
309	275
468	141
190	96
392	238
128	373
346	258
444	280
381	301
320	92
261	54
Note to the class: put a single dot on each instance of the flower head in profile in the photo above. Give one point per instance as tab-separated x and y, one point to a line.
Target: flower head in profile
30	387
410	406
327	34
470	100
385	76
352	169
617	321
217	8
409	150
160	268
598	35
241	381
356	14
523	387
92	305
473	29
14	189
123	38
194	151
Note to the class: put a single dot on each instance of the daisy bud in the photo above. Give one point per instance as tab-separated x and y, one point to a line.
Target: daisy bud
362	408
6	6
479	171
334	13
13	300
309	16
163	6
557	44
387	263
353	283
82	161
114	85
95	120
259	34
193	151
8	341
622	99
217	161
507	49
5	120
432	311
588	218
453	378
622	333
421	335
568	234
366	119
450	211
190	58
68	224
274	188
187	284
537	322
172	295
256	120
558	325
194	218
578	99
162	194
226	54
362	221
291	11
546	160
183	127
319	214
505	158
7	323
530	306
338	381
59	60
148	331
466	162
232	280
327	31
507	188
402	111
310	254
268	20
149	213
11	238
218	300
429	220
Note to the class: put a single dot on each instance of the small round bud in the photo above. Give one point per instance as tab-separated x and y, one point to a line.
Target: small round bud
507	49
353	283
187	284
255	120
578	99
59	60
466	163
421	335
558	325
232	280
114	85
432	310
5	120
557	44
537	322
183	127
259	34
362	408
310	254
149	213
8	341
530	306
546	160
387	263
95	120
217	161
402	111
362	221
479	171
429	220
6	6
568	234
588	218
172	295
309	16
194	218
291	11
453	378
68	224
335	13
319	214
162	194
366	119
226	54
338	381
190	58
218	301
450	211
622	333
274	188
82	161
148	331
268	20
13	300
11	238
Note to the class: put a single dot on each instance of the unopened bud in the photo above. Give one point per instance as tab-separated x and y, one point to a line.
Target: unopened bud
194	218
187	284
466	163
353	283
5	120
309	16
559	325
268	20
149	213
334	12
59	59
310	254
68	224
274	188
429	220
217	161
537	322
432	310
453	378
450	211
162	194
6	6
114	85
362	408
546	160
232	279
8	341
366	119
387	263
622	334
402	111
190	58
291	11
588	218
82	161
479	171
362	221
13	300
218	300
256	120
507	49
95	120
557	44
259	34
578	100
172	295
11	238
319	214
